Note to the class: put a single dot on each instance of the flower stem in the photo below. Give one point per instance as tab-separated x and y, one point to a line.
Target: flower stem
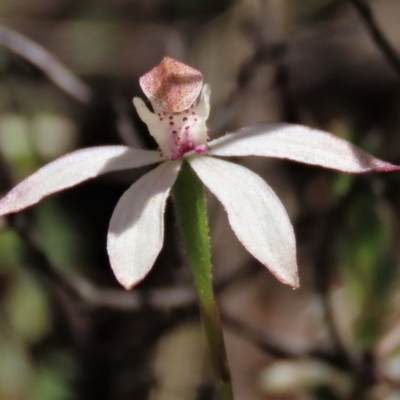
190	206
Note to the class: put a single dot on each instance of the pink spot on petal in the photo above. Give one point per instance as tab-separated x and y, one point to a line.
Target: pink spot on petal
200	150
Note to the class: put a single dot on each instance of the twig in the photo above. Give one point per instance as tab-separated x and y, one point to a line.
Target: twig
46	62
366	14
84	290
323	276
264	52
158	299
261	339
275	347
81	288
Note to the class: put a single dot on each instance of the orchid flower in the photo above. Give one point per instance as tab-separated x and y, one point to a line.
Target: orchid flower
181	107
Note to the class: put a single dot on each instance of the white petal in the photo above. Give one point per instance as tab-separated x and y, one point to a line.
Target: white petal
255	213
136	230
158	127
298	143
203	108
144	113
72	169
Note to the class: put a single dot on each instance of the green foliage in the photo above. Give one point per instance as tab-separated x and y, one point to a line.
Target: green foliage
51	380
9	254
15	367
62	236
324	393
367	267
28	309
25	320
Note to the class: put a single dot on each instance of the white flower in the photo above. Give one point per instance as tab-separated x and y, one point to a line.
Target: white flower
255	213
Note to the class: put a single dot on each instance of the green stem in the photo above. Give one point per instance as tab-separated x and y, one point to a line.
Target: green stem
190	206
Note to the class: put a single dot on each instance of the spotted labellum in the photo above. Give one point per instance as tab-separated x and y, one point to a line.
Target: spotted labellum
180	105
178	124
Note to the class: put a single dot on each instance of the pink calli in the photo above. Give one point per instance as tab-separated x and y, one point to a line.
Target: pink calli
178	124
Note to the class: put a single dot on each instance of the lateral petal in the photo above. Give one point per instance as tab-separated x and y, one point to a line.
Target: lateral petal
255	214
298	143
136	229
72	169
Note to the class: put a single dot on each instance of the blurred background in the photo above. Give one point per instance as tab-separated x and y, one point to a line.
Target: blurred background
68	72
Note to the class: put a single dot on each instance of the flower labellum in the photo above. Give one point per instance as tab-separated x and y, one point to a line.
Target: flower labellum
172	86
178	124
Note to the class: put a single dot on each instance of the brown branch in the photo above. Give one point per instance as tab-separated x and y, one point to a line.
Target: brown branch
276	347
90	295
260	339
161	299
82	289
46	62
366	14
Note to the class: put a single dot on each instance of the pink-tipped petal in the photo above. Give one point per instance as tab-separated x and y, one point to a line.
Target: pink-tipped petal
72	169
255	214
298	143
136	229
